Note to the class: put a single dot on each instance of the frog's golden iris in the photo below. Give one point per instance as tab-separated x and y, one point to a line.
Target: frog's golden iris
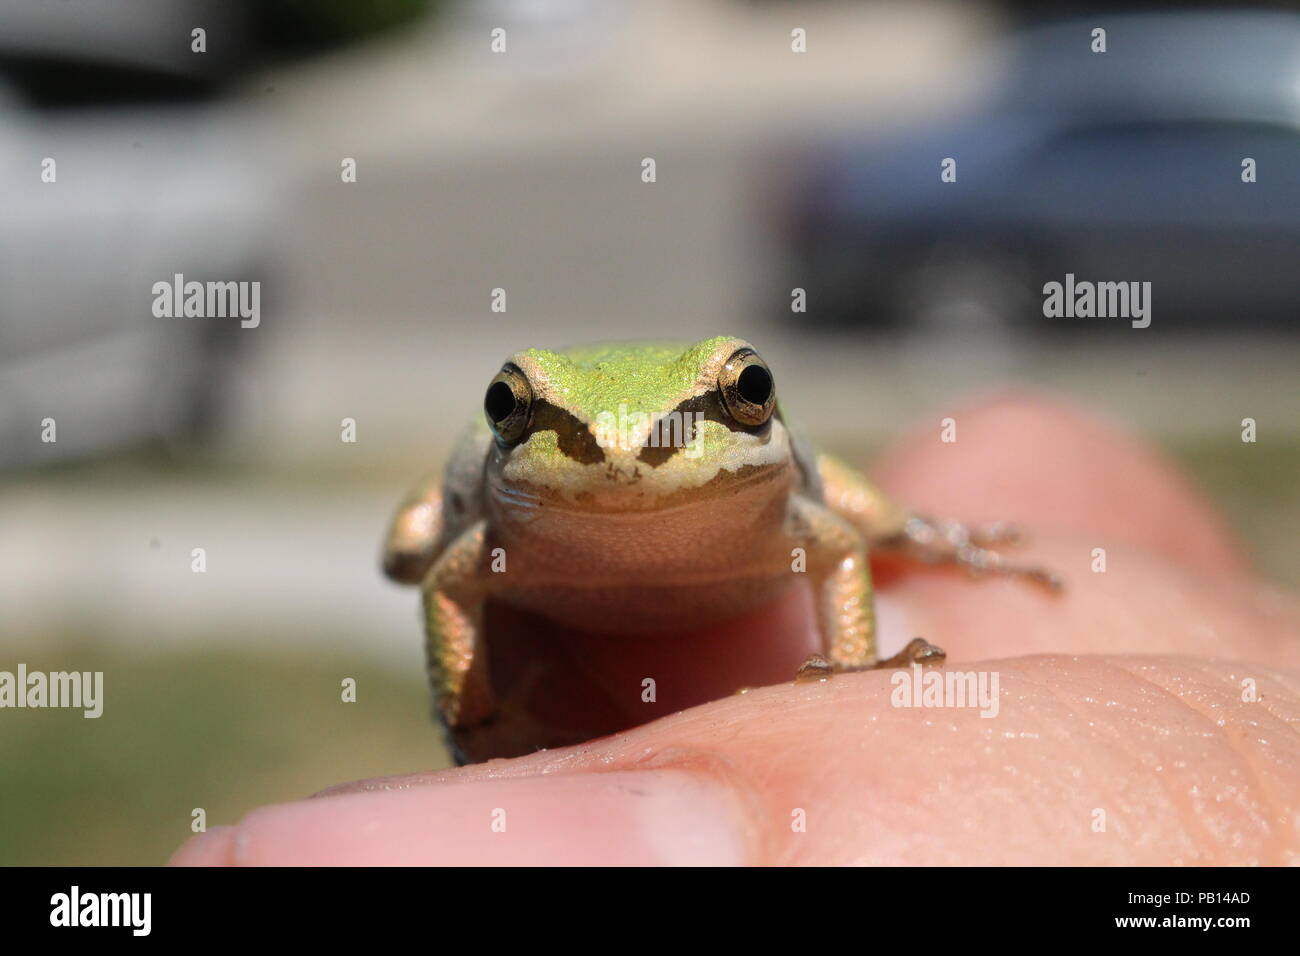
748	389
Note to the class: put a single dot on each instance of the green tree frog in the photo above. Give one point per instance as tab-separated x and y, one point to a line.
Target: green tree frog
657	485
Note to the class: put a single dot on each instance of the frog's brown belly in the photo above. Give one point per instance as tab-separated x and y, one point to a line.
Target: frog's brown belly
644	607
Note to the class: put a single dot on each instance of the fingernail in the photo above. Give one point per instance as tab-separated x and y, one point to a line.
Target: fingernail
622	818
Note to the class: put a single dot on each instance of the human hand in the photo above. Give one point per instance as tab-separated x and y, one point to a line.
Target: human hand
1124	695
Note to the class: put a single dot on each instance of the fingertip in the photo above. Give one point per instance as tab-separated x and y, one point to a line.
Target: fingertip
212	848
619	818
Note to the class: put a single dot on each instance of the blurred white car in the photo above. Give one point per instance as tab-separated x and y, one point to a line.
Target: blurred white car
140	194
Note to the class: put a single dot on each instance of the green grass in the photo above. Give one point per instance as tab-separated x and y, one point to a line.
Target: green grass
220	729
1258	488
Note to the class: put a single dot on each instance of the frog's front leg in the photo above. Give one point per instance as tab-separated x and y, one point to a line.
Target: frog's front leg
455	592
888	527
841	579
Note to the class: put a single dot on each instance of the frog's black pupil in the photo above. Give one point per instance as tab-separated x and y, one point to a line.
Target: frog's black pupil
499	402
755	384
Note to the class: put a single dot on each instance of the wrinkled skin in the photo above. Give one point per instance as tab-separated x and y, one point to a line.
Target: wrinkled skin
1123	694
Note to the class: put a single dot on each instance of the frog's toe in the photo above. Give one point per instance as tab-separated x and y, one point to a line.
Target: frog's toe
982	561
917	651
939	537
995	533
921	651
815	668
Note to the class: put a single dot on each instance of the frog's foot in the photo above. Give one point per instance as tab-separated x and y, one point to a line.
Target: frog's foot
917	651
815	668
944	542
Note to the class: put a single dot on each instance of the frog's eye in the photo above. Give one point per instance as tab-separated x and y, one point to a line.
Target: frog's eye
509	404
747	388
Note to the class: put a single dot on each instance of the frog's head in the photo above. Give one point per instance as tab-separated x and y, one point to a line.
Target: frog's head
617	428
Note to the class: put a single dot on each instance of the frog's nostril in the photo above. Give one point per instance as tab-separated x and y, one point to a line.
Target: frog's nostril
628	474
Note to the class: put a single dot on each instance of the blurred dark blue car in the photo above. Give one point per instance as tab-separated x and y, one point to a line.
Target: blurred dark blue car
1117	166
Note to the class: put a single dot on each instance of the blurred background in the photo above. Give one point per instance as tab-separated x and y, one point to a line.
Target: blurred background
522	170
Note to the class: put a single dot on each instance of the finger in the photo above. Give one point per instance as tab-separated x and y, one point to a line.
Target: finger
1046	465
636	818
1103	760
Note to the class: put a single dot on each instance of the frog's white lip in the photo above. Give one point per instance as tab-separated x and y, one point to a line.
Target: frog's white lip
624	499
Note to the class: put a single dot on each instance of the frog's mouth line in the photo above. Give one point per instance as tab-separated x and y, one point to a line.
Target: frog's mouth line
625	499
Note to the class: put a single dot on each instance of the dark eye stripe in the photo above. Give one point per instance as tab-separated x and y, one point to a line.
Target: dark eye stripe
572	436
710	404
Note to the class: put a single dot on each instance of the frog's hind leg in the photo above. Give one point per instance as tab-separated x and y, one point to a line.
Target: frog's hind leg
943	542
889	527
